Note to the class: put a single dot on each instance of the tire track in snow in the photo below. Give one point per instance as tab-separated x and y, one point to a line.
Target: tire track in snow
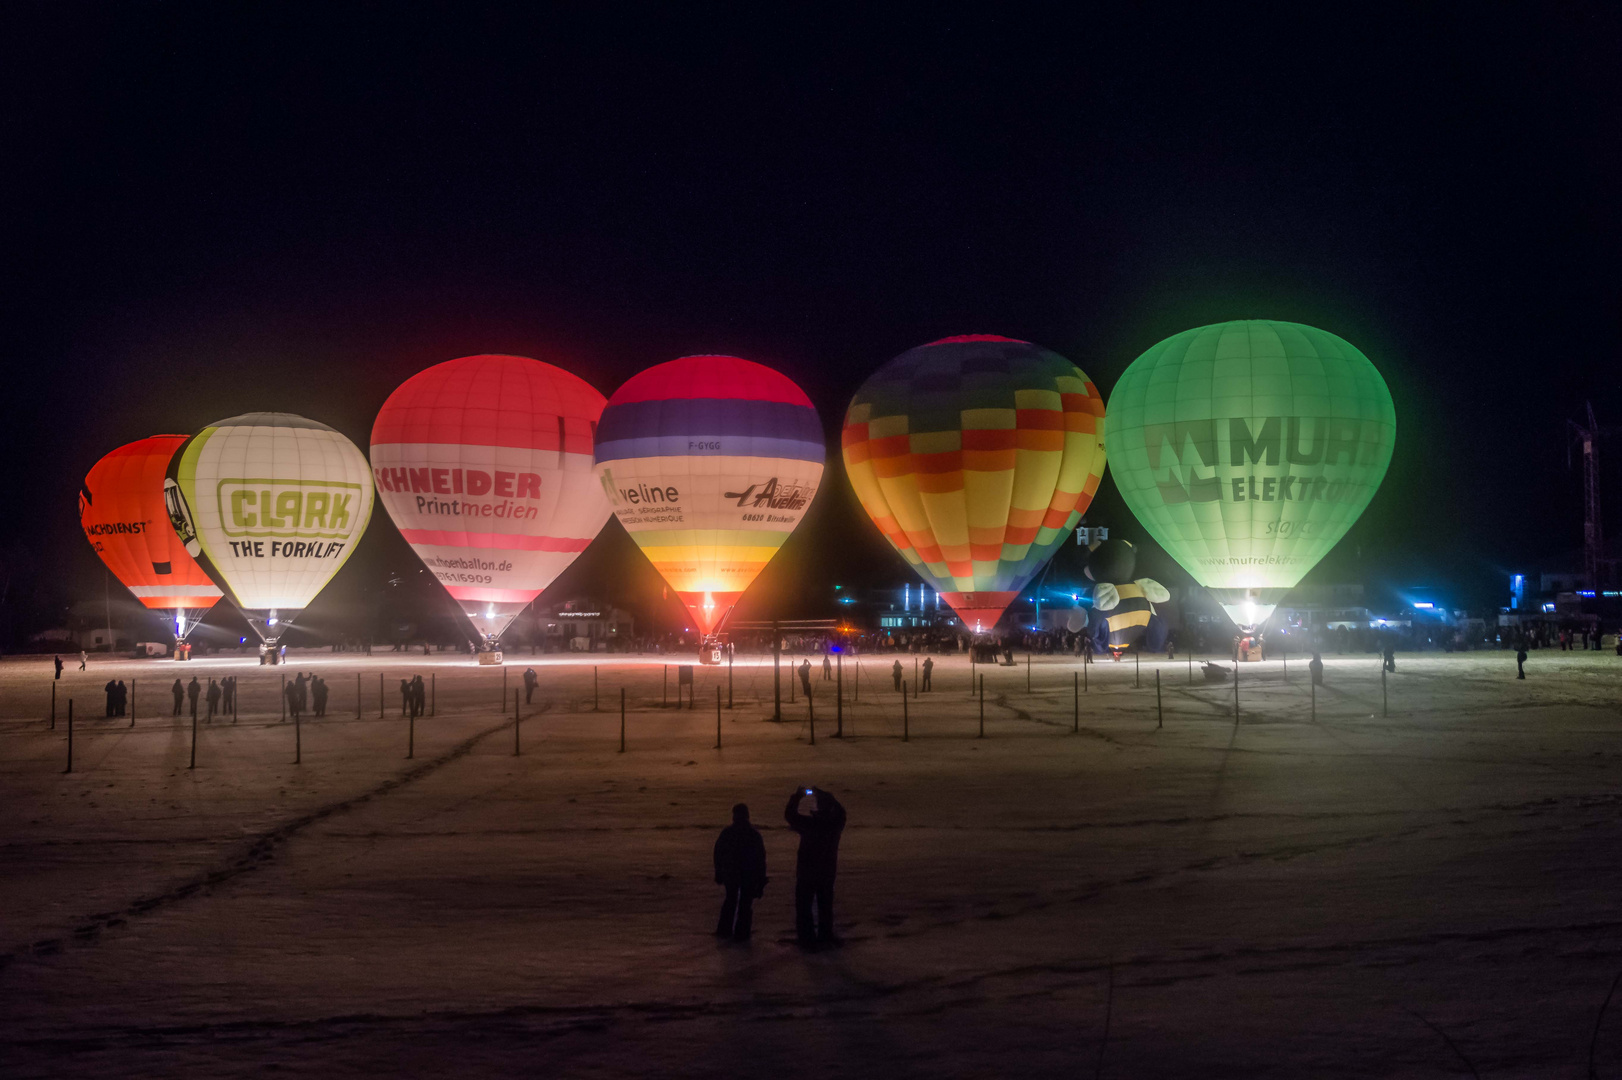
260	851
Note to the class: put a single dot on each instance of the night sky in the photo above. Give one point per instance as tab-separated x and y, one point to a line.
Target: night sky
214	209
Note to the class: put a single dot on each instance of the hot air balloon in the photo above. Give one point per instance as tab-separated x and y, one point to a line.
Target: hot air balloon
485	465
710	462
1247	449
976	456
270	505
121	510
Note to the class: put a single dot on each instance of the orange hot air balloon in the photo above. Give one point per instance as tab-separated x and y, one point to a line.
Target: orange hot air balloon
122	512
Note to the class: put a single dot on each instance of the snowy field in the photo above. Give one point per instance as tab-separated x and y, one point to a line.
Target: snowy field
1431	892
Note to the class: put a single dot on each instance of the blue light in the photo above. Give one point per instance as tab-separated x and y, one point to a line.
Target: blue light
1424	605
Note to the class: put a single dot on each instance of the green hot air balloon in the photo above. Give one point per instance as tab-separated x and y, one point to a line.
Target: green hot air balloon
1247	449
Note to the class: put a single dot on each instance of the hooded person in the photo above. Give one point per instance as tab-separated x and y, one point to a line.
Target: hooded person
740	867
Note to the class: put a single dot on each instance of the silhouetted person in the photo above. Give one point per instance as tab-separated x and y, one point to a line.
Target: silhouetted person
112	695
301	692
1391	658
816	863
405	697
213	698
1520	659
318	692
827	668
419	695
193	689
740	865
530	681
59	667
121	699
84	658
290	696
805	678
1316	666
179	690
895	674
929	671
228	696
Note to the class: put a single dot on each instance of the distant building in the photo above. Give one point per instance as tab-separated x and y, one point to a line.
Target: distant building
583	625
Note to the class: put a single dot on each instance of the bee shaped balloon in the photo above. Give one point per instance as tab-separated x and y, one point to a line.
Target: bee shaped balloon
1127	604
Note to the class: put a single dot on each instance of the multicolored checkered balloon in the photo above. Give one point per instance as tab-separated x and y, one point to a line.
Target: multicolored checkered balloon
976	456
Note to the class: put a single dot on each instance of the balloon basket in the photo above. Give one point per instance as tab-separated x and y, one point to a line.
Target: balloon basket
490	658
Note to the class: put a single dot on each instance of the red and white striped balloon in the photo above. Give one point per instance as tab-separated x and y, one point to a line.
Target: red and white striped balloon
485	465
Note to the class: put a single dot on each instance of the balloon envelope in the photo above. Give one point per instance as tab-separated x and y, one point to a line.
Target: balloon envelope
710	462
485	464
121	510
1247	449
270	505
976	456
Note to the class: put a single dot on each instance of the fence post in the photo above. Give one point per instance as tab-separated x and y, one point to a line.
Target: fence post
298	741
504	686
982	707
517	719
811	715
1075	710
622	719
664	689
132	703
1312	682
283	697
380	695
904	722
411	733
839	696
70	738
1236	685
1384	703
1160	715
718	716
1084	666
594	688
433	693
53	705
729	675
915	677
193	764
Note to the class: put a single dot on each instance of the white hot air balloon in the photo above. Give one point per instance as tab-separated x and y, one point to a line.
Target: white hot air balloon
271	505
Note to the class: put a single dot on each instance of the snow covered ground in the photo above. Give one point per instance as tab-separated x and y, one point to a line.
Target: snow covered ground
1429	892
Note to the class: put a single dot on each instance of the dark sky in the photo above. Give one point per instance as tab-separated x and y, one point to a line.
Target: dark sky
211	209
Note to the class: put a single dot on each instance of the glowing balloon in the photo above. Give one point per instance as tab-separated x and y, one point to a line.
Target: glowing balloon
121	510
270	505
1247	449
710	462
976	456
485	464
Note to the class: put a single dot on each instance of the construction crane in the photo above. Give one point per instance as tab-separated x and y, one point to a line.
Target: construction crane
1587	437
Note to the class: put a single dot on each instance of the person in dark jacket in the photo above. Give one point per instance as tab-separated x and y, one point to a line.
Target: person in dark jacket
805	678
112	696
179	689
1316	667
816	863
1520	660
531	680
929	672
59	668
193	689
419	695
895	674
318	694
213	698
740	866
